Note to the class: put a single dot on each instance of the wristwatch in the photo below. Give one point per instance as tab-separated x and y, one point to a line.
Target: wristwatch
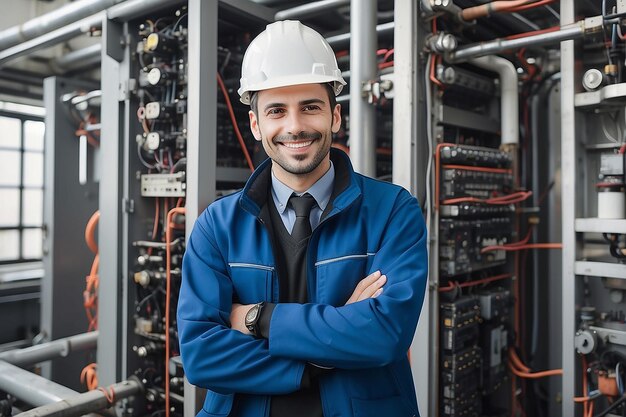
252	318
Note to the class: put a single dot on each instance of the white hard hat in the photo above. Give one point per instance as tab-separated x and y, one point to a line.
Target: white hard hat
288	53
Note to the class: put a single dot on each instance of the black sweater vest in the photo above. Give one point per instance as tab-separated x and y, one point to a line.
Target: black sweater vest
291	268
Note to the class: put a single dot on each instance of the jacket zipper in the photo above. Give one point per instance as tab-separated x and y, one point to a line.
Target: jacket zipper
342	258
253	266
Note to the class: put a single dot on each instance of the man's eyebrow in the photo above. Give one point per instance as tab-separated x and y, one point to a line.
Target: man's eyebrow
312	101
273	105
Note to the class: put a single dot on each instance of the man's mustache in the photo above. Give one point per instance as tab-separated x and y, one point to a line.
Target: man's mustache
299	136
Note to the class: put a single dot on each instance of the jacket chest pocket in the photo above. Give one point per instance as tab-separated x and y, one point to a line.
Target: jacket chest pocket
337	277
252	283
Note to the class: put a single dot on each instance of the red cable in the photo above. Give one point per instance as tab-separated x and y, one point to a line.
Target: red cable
452	285
534	32
481	169
530	6
522	247
234	120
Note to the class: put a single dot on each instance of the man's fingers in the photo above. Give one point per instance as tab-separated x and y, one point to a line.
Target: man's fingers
373	288
362	285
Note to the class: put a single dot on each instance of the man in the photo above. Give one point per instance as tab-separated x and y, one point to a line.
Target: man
301	293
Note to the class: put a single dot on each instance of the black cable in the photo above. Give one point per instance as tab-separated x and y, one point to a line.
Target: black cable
612	407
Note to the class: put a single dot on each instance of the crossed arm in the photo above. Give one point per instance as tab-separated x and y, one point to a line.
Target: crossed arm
369	287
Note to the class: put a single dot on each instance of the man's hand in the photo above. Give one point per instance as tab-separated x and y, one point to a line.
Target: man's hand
238	317
369	287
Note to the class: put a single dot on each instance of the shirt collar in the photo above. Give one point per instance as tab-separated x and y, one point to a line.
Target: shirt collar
320	191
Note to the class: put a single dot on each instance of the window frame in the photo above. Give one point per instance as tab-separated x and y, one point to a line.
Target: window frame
21	227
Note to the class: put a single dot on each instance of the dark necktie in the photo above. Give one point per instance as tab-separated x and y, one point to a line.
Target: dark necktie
302	206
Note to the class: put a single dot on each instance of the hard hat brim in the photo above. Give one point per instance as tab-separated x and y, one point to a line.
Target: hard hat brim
287	81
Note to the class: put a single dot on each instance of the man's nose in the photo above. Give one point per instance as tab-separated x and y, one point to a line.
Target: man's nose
294	124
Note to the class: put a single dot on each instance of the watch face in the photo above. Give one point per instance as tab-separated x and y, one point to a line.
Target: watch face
252	313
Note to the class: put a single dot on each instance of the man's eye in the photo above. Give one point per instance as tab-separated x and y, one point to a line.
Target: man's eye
310	107
275	111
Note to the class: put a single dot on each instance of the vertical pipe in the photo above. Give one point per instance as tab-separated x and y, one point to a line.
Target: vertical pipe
568	191
363	44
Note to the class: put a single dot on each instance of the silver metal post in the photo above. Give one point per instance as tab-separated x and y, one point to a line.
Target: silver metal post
571	31
29	387
568	188
87	402
363	68
309	9
46	351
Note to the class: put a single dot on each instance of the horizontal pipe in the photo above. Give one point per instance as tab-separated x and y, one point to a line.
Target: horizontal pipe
132	9
50	350
125	11
498	45
53	20
52	38
87	402
80	58
309	9
342	39
29	387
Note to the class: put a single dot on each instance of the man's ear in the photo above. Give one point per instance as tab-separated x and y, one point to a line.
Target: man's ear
254	125
336	119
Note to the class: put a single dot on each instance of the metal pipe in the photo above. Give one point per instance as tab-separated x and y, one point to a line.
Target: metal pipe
51	350
509	115
87	402
53	20
132	9
127	10
309	9
466	53
31	388
80	58
363	68
344	38
54	37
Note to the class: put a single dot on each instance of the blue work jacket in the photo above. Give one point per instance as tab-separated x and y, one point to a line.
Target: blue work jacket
369	226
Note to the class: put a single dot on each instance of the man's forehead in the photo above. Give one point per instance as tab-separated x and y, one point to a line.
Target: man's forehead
293	94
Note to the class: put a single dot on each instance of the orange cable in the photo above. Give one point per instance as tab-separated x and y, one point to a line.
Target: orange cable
90	232
517	361
452	285
534	32
168	267
234	120
524	372
522	247
530	6
432	72
483	10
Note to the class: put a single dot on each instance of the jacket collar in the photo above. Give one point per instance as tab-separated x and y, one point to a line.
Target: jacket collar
345	189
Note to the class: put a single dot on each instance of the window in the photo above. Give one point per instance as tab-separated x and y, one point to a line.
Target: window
21	187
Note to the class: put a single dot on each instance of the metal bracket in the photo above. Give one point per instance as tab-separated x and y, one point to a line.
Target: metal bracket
128	205
126	88
374	90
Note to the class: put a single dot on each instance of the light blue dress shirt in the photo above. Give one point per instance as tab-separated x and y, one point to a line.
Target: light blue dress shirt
321	192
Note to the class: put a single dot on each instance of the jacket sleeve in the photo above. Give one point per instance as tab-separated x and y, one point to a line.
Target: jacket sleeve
372	332
214	355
